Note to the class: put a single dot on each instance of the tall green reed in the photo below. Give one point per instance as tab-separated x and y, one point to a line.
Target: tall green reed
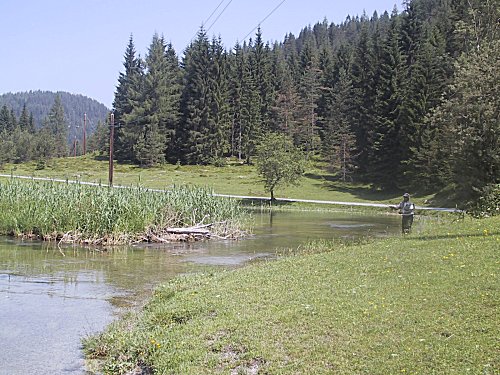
51	209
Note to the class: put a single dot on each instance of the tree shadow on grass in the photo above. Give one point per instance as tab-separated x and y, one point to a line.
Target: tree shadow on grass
361	191
101	157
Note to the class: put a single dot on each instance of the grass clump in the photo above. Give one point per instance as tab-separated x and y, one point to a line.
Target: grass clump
426	303
82	213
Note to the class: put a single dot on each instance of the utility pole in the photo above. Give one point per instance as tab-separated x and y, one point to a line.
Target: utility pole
84	133
111	138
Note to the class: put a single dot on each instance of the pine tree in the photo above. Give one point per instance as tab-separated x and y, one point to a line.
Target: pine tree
236	68
251	113
261	70
150	146
5	119
55	132
99	140
430	79
284	113
195	101
291	56
339	145
22	141
218	135
155	131
362	76
309	93
172	102
24	119
127	99
31	124
7	147
385	153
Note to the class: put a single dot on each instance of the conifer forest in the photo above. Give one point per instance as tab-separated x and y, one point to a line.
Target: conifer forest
408	99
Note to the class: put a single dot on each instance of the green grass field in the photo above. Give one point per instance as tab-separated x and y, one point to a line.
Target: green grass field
422	304
235	178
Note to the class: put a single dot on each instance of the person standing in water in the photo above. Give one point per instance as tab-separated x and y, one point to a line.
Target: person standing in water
407	210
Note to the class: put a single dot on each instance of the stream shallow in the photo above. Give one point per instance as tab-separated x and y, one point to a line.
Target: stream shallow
51	297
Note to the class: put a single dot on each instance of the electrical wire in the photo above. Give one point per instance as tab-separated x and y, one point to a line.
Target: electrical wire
215	10
220	14
265	18
210	16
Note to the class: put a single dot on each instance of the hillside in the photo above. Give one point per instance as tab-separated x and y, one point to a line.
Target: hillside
39	103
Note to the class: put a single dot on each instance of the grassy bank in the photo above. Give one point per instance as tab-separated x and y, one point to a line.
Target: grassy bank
426	303
99	215
234	178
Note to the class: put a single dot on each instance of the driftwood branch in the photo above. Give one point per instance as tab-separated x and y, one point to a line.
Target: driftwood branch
189	230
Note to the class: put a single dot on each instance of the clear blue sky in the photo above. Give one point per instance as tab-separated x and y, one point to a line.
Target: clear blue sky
78	45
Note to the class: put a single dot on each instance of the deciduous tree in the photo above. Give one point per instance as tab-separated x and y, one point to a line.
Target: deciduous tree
279	162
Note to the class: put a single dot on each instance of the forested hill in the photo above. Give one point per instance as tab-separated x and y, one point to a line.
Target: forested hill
38	103
401	100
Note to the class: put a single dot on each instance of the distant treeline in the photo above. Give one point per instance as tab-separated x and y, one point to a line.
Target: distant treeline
25	137
38	104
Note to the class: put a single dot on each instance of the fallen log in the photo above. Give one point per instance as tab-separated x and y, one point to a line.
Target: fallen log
190	230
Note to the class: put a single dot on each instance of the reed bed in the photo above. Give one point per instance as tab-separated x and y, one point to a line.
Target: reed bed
100	215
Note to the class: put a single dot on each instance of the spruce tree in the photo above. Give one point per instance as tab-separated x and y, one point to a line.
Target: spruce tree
55	132
236	68
31	124
24	119
7	147
155	131
172	102
308	92
339	146
99	140
251	113
362	76
261	71
195	101
220	118
285	111
385	153
5	119
127	99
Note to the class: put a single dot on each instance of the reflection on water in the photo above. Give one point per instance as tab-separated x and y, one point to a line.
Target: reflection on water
50	297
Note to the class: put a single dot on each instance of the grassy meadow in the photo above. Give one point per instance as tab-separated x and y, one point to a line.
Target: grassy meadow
235	178
426	303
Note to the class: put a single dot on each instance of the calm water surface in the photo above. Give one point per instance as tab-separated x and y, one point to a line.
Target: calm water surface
50	297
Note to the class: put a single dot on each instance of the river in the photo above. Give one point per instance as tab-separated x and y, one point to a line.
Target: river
51	297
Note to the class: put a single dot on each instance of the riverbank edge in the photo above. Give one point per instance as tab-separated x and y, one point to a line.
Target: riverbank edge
417	304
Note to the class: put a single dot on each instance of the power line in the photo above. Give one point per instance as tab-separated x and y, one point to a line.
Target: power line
215	10
220	14
265	18
210	16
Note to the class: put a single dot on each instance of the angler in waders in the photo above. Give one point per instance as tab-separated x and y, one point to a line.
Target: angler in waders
407	210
